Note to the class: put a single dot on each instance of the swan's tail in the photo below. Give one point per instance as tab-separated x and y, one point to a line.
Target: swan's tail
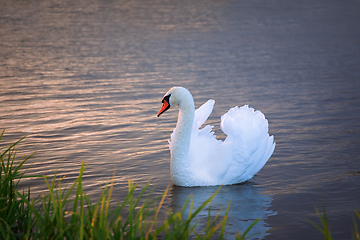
247	132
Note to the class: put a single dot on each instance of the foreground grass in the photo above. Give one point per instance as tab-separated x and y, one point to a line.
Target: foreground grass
68	213
15	216
324	226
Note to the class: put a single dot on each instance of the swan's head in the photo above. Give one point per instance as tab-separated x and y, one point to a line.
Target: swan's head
175	96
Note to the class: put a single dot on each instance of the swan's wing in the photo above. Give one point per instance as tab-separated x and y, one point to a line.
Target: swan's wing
248	140
203	113
201	138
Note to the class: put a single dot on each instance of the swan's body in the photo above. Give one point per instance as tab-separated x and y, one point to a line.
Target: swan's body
199	159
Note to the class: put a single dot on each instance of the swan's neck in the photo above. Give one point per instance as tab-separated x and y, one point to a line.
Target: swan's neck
180	145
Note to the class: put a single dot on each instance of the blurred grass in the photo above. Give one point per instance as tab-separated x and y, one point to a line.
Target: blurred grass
324	226
15	216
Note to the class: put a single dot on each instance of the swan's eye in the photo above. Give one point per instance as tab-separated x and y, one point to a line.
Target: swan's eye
166	98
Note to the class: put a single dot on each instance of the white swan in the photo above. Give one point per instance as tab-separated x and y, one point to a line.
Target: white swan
199	159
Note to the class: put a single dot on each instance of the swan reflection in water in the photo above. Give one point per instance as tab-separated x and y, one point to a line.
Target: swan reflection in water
247	204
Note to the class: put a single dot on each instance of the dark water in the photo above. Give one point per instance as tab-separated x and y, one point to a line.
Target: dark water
84	79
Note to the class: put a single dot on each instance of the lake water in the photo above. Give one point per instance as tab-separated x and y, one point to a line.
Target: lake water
84	80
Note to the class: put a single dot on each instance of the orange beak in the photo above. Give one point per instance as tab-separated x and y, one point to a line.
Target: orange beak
165	106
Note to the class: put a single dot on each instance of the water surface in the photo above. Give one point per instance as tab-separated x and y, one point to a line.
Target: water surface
83	80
